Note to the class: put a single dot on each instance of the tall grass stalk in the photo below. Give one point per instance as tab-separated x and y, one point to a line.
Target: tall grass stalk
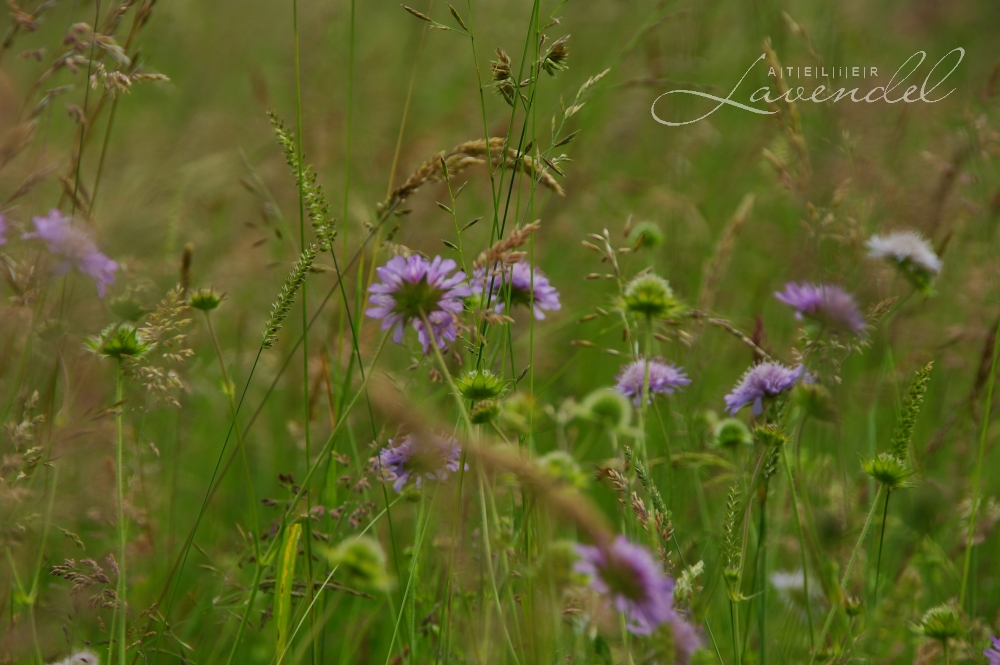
122	582
977	474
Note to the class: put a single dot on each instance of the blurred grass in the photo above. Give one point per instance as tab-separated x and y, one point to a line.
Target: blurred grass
173	177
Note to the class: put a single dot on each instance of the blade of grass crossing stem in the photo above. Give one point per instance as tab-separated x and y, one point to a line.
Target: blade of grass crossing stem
286	577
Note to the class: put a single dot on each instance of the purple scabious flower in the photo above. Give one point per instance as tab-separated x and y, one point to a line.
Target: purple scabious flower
664	378
521	284
414	287
686	639
905	247
765	379
993	653
76	247
827	303
418	460
633	580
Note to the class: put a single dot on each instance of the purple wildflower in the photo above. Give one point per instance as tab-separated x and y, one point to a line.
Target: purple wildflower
3	229
76	248
664	378
827	303
414	287
993	653
905	247
766	379
686	639
629	575
417	459
523	288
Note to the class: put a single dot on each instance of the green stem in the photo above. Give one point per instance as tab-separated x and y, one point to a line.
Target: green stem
881	539
306	403
978	473
847	573
802	548
122	580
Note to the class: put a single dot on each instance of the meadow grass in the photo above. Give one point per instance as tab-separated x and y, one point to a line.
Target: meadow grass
514	387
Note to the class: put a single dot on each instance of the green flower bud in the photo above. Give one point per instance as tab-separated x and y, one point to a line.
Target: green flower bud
853	606
127	308
888	470
361	564
732	433
479	385
561	467
206	299
646	234
651	295
118	342
941	623
770	435
815	400
484	412
608	408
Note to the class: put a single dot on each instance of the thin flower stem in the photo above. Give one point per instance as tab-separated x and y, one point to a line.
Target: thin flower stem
122	586
446	373
978	473
881	539
229	390
847	573
306	402
802	547
489	565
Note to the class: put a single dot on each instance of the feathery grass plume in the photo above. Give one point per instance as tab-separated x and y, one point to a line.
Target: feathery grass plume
463	156
788	113
503	80
312	192
640	471
715	268
281	307
555	57
900	446
731	546
502	251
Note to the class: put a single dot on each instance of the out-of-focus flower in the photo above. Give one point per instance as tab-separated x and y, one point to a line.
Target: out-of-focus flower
732	433
414	459
520	285
608	408
414	288
75	247
829	304
561	467
664	379
646	234
651	295
361	563
940	623
993	653
632	579
911	253
3	229
766	379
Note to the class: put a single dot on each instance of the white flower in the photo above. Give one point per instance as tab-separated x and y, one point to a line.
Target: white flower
905	246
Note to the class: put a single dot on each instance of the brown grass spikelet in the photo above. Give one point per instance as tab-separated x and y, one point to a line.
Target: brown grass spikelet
464	155
502	250
716	267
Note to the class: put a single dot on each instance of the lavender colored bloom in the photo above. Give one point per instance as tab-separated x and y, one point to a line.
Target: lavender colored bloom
993	654
828	303
3	229
686	639
523	288
634	581
766	379
76	247
664	378
905	247
414	287
418	460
